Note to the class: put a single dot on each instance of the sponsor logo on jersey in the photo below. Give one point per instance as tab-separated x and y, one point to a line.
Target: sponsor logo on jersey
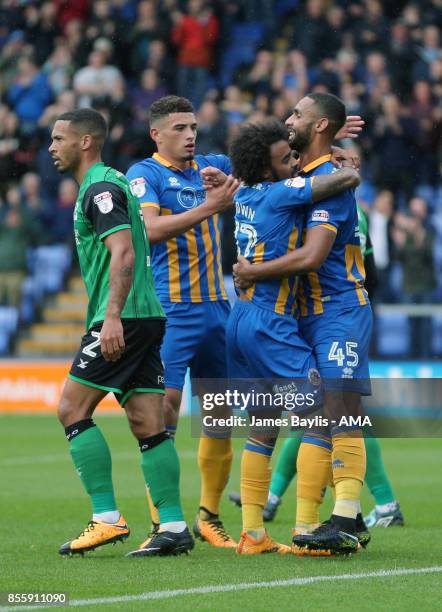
189	197
77	206
347	372
320	215
104	202
138	186
173	181
295	182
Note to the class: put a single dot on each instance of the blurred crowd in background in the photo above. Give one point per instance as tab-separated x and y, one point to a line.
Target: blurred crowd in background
236	60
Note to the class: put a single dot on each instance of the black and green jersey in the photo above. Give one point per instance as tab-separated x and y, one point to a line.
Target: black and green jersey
105	205
364	237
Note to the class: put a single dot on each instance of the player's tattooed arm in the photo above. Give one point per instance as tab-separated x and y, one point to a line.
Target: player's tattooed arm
318	243
120	281
327	185
163	227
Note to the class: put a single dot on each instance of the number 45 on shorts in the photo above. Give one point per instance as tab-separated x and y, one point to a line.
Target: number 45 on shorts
339	353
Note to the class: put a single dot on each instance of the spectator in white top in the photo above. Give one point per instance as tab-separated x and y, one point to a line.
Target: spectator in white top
98	78
380	226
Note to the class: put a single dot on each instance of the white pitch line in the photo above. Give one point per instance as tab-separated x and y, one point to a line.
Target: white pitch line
241	586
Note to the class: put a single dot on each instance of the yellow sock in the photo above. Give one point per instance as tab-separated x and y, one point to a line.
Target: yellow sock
313	466
214	461
348	493
349	463
154	514
255	483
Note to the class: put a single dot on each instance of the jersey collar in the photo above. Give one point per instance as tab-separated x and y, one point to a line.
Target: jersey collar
168	164
316	162
89	171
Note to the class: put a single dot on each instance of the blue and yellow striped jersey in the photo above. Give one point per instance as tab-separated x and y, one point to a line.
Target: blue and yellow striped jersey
186	268
340	279
268	223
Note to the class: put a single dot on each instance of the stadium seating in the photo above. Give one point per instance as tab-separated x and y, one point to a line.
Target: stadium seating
436	335
8	326
245	37
49	264
392	335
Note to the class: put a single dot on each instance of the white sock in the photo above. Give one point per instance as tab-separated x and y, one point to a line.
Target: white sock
273	499
257	534
107	517
384	508
173	526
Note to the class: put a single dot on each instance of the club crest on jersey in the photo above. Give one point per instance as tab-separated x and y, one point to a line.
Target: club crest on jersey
189	197
138	186
104	202
295	182
320	215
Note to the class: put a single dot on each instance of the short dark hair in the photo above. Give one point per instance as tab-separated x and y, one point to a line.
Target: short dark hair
332	107
250	149
167	105
87	121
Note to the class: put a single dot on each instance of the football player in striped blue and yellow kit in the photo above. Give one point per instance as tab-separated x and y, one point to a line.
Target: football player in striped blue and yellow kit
336	321
183	226
262	334
387	511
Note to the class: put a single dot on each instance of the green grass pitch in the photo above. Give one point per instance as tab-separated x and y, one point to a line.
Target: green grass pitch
43	505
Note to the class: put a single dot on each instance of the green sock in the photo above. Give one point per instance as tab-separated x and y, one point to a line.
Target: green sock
376	476
161	469
91	456
285	467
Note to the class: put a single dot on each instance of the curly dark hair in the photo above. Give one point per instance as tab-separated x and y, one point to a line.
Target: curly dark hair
250	149
167	105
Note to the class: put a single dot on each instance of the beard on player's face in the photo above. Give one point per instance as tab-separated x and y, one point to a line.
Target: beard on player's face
301	138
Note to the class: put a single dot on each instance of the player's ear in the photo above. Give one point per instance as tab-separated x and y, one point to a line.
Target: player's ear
86	142
322	125
268	174
154	132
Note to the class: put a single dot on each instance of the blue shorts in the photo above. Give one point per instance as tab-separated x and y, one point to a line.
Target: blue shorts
264	344
340	340
195	338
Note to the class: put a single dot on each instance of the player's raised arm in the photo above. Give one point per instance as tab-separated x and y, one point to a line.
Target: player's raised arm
310	256
328	185
161	228
319	239
119	244
352	127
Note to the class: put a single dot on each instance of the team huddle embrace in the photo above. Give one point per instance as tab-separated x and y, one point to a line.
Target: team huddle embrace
149	249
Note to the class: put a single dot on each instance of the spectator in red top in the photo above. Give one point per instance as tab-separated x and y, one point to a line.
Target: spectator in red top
68	10
195	35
